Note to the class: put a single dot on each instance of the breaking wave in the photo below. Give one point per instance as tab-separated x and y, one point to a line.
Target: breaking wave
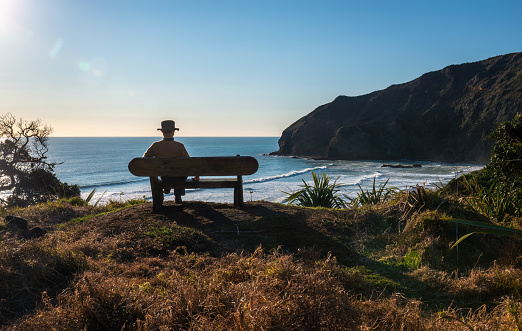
287	175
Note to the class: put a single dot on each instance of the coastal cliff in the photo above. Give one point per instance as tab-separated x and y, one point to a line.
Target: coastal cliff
444	115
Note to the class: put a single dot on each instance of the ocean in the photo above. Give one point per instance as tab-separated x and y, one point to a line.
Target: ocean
101	164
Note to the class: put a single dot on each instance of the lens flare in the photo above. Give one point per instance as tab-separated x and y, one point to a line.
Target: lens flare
57	47
84	66
94	72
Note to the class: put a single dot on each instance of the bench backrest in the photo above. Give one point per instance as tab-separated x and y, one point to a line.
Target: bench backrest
194	166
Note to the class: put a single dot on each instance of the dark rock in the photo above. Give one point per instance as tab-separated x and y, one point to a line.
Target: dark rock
395	166
21	226
401	166
34	233
444	115
16	223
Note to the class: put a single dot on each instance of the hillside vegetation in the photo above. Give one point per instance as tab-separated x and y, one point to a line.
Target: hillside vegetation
208	266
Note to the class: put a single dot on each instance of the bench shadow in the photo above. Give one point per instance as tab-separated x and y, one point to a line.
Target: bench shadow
254	225
194	214
245	230
276	228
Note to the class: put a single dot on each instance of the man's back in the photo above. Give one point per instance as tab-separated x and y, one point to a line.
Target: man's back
166	148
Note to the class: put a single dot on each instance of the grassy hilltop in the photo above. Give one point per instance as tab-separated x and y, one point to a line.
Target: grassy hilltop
207	266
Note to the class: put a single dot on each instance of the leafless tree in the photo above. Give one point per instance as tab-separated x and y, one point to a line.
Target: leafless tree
23	145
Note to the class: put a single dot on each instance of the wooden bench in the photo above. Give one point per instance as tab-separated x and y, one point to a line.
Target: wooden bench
237	166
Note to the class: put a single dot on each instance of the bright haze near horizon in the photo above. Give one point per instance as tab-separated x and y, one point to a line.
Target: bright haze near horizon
226	68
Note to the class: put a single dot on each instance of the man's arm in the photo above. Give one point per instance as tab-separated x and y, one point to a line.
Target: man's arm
184	151
186	154
149	152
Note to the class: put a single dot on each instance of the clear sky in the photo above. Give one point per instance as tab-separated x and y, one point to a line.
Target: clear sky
227	68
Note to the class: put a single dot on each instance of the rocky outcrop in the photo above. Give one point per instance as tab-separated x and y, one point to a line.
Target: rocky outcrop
20	225
444	115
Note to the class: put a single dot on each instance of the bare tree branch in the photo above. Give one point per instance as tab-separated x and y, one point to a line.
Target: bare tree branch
23	146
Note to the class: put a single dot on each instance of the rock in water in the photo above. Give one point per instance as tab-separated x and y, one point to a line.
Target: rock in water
401	166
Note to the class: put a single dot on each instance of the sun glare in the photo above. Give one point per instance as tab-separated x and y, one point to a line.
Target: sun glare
7	10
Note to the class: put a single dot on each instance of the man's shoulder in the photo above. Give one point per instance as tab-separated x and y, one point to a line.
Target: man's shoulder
171	142
165	141
168	143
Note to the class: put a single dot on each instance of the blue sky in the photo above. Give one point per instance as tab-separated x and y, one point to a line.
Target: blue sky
227	68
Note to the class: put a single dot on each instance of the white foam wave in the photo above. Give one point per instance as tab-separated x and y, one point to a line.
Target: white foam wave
349	180
287	175
114	183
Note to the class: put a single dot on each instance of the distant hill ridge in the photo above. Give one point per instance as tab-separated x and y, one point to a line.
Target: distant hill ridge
444	115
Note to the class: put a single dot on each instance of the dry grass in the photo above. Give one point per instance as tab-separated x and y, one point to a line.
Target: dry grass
268	266
187	291
398	313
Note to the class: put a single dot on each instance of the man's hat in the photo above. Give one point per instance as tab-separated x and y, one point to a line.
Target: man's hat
168	126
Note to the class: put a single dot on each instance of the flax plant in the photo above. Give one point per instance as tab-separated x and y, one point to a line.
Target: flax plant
323	193
487	228
491	201
377	195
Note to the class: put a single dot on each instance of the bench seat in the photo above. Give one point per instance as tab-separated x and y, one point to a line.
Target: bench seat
236	166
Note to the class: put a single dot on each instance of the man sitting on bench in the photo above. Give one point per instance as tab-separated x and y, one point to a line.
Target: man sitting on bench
168	148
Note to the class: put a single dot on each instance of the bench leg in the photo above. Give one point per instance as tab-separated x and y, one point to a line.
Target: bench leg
238	193
157	195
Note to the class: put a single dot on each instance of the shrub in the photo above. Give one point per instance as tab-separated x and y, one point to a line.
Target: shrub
322	194
376	195
496	190
505	166
506	156
77	201
40	185
491	201
24	168
418	200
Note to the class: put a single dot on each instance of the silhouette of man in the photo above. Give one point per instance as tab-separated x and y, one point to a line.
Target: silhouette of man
168	148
